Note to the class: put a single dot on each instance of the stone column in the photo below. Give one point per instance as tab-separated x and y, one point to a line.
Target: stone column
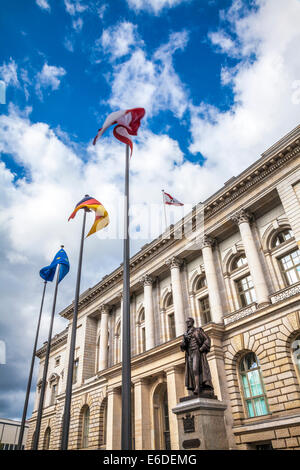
174	263
242	218
149	312
114	418
175	387
103	350
211	279
142	421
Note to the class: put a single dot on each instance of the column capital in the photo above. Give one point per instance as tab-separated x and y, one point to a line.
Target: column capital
104	308
174	262
243	215
207	240
146	280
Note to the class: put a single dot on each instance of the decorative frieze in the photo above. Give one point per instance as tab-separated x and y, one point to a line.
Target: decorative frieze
240	314
286	294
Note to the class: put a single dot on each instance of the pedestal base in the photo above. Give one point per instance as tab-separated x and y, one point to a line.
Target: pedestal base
201	424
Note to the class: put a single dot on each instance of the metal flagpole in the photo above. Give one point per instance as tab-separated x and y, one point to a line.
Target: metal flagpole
43	388
67	410
126	343
163	195
21	434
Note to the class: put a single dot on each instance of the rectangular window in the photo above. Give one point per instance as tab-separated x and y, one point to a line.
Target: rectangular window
53	394
246	291
205	310
172	331
290	265
75	370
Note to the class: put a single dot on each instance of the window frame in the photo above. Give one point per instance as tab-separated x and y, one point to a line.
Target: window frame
251	398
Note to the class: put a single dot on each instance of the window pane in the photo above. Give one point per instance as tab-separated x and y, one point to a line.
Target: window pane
246	386
255	384
250	409
260	406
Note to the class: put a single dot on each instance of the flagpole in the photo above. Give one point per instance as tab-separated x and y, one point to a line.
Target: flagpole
21	434
163	194
68	399
43	388
126	343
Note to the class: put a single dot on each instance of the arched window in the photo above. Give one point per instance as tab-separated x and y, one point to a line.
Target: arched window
103	422
170	315
47	435
85	426
200	283
161	418
118	343
238	262
282	237
141	331
243	281
296	354
253	388
169	300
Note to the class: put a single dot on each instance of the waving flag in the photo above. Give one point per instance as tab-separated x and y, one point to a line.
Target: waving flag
101	215
127	121
171	201
48	272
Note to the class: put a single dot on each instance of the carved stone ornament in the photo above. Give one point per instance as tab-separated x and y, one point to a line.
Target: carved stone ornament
104	308
207	240
146	280
189	423
174	262
241	216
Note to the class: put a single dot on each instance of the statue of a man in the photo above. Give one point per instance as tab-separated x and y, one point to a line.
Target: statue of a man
196	345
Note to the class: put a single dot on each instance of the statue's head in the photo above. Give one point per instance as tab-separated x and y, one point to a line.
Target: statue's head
189	322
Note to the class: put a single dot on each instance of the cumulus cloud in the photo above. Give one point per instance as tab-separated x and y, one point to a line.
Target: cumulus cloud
263	83
9	73
153	6
43	4
49	77
153	82
117	40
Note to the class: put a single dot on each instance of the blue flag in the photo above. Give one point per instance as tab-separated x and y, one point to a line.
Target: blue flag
48	272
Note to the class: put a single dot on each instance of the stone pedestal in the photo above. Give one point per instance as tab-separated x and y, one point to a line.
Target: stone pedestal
201	424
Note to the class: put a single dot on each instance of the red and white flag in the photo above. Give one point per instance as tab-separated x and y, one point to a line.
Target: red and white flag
171	201
127	121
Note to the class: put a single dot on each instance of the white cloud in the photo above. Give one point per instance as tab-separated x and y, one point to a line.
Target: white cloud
9	73
151	83
117	40
262	84
49	77
224	43
74	7
154	6
44	4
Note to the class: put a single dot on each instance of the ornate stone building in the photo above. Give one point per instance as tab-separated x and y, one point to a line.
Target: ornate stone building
242	285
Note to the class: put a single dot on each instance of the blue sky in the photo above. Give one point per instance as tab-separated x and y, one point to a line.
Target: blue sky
220	82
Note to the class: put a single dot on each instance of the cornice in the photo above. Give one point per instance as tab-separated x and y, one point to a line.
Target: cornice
272	159
56	341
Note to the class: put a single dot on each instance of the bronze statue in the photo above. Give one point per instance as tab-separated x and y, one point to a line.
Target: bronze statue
196	345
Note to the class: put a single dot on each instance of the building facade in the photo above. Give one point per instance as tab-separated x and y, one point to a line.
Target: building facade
238	275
